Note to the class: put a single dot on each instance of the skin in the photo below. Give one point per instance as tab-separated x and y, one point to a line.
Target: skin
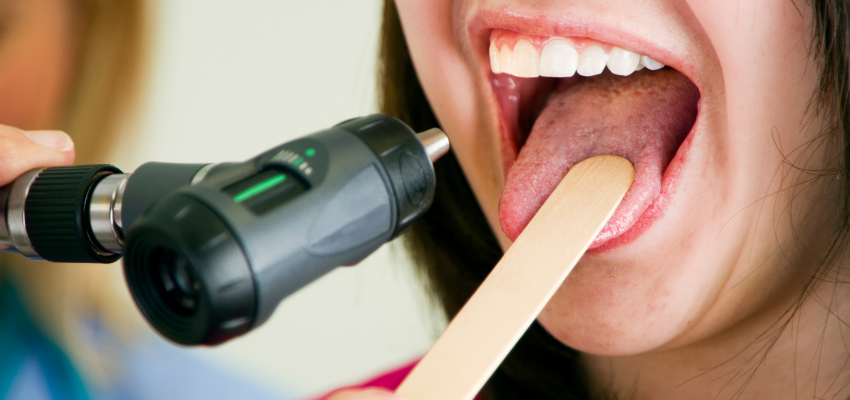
688	307
36	63
675	313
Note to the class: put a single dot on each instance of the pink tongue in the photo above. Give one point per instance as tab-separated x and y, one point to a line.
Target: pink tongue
643	117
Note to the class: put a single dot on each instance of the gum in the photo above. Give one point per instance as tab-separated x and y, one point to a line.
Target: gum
502	37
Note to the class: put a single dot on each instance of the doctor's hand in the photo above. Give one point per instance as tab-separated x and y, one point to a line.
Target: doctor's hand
364	394
21	151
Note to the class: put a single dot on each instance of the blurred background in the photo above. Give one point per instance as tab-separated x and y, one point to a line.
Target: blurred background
229	79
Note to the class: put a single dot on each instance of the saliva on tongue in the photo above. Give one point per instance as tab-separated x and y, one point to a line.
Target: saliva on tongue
643	117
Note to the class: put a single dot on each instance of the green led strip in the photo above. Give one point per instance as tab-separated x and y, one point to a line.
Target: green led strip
259	188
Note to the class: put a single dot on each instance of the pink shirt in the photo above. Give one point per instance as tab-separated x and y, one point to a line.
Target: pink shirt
390	380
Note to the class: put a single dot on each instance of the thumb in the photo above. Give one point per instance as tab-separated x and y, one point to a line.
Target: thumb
21	151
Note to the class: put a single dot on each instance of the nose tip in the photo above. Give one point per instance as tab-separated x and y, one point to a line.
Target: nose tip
435	141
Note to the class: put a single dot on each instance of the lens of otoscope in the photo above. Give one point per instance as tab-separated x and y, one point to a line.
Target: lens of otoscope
174	280
188	274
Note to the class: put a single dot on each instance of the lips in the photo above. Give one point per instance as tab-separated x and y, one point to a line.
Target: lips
644	117
548	124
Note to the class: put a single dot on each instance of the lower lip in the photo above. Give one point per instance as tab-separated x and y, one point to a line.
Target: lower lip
670	181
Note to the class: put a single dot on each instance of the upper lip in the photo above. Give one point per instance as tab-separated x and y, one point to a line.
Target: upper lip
579	22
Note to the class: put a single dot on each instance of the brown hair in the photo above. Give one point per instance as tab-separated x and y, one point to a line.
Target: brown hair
112	41
454	247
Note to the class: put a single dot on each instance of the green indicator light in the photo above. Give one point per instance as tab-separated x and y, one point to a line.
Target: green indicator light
310	152
298	162
259	188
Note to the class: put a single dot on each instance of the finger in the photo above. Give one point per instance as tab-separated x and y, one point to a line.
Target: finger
21	151
364	394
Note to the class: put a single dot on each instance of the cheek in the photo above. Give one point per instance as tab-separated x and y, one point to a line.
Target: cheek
29	100
769	76
35	66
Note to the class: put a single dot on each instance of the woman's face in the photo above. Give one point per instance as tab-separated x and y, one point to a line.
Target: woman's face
703	240
36	48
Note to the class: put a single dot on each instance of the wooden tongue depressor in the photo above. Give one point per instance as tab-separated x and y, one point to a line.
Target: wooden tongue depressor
523	281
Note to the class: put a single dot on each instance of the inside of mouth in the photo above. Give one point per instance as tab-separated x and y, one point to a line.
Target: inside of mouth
553	123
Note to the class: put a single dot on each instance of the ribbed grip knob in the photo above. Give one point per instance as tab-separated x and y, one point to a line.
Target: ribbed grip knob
56	214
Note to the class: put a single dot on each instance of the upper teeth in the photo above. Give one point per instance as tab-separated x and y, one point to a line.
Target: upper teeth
559	58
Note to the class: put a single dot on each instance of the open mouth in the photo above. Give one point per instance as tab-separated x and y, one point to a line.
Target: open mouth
567	99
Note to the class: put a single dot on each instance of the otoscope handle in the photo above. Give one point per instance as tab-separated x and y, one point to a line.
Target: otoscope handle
77	214
46	214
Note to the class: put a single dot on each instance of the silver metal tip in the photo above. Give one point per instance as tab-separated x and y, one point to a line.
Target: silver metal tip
436	143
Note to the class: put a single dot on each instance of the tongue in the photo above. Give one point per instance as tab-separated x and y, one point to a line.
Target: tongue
643	117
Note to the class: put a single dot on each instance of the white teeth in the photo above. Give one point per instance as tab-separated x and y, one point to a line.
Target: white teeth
559	59
525	62
650	63
505	60
592	60
494	58
623	62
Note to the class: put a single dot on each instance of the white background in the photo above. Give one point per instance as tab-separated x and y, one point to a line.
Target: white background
230	79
